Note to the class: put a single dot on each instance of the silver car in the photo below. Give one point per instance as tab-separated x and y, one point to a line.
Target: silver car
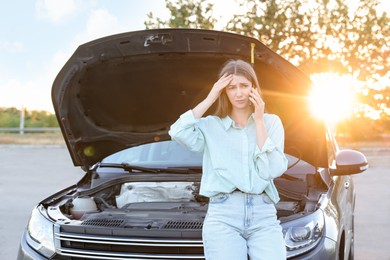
139	198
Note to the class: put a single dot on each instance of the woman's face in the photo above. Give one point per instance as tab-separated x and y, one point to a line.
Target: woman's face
238	92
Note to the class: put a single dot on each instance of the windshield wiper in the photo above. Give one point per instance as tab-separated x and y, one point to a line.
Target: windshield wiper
135	168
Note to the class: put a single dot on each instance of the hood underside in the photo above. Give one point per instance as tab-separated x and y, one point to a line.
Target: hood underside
127	89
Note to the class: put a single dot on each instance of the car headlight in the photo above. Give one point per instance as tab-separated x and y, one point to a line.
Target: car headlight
303	234
40	231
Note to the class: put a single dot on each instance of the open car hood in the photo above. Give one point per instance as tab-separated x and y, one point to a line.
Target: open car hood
127	89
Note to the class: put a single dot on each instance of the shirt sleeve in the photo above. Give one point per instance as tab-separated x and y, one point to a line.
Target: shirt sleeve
186	132
270	161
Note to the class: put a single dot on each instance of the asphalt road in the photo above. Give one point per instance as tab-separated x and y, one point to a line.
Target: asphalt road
29	174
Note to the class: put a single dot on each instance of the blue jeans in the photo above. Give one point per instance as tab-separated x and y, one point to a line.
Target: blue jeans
240	224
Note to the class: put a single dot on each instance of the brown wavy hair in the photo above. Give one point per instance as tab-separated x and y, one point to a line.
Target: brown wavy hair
235	67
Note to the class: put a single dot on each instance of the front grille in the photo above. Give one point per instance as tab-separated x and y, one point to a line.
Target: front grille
115	246
103	222
183	225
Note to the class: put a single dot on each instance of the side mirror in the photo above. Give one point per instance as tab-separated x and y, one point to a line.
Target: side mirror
350	162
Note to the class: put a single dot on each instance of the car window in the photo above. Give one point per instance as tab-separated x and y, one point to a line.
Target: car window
330	145
163	153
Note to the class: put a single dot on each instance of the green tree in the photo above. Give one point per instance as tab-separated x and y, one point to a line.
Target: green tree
9	117
40	118
184	14
376	99
323	36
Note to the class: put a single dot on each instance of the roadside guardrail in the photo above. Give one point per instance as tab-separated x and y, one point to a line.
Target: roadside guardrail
29	129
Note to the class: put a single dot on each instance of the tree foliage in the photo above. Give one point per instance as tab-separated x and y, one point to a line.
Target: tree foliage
184	14
316	35
321	36
10	118
377	100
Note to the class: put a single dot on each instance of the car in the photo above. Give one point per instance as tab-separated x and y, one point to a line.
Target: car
115	99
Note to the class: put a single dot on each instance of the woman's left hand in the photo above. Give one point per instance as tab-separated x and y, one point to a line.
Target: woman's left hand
258	103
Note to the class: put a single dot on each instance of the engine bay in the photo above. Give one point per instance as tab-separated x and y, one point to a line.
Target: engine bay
169	205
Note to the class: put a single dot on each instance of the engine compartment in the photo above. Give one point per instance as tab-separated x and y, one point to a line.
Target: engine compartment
139	197
169	205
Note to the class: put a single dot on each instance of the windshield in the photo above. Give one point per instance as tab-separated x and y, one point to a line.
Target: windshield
167	153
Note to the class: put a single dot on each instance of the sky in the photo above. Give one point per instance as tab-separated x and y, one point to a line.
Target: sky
38	36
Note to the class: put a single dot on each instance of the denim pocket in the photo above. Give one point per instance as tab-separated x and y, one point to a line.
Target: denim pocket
219	198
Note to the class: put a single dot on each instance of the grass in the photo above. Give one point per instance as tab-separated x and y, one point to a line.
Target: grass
50	138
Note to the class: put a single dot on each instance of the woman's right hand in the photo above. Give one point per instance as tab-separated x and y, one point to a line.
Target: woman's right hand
216	90
218	87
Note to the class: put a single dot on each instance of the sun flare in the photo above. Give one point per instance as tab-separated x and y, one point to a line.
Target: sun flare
332	98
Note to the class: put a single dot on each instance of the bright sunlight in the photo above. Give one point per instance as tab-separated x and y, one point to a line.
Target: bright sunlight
332	98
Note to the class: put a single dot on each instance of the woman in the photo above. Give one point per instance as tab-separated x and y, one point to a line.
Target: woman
242	150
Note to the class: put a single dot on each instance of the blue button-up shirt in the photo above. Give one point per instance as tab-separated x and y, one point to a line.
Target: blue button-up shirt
231	156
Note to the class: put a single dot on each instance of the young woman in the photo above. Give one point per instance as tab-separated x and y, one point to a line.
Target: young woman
242	150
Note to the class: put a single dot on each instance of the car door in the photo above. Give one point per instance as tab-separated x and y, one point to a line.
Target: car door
344	198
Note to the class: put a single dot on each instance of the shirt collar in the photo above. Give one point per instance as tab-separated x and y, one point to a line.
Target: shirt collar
227	122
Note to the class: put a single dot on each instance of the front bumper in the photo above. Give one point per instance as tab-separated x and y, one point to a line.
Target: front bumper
25	252
326	249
